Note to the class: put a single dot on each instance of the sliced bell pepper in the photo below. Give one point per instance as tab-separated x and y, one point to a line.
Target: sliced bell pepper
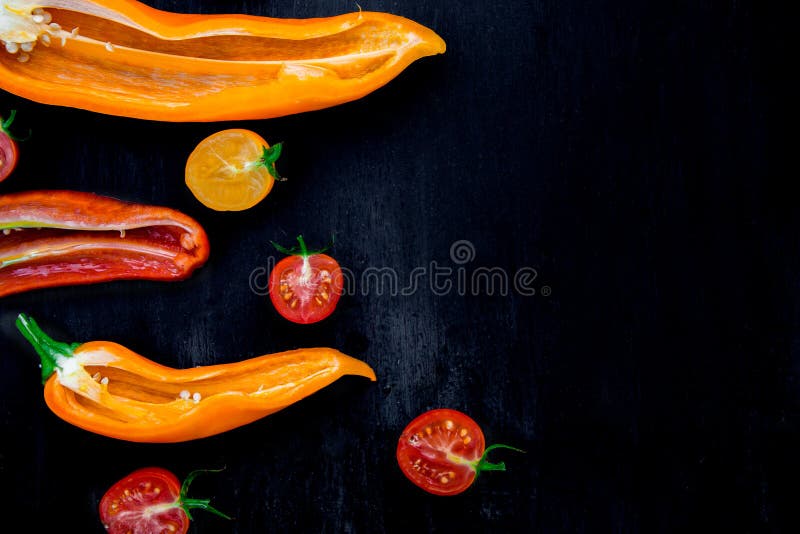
106	388
58	238
122	57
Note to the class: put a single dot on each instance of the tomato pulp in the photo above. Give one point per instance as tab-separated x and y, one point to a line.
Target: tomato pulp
305	287
443	450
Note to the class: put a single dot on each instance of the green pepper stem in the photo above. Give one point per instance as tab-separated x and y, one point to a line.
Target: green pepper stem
48	349
485	465
203	504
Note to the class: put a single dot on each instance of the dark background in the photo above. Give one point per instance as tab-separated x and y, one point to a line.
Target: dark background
624	150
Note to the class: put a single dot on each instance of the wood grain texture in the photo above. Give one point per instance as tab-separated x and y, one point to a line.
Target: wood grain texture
625	151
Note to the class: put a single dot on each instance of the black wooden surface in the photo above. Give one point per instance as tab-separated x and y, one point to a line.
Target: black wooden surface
624	150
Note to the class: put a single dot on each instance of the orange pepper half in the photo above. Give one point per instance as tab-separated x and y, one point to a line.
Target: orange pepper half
122	57
107	389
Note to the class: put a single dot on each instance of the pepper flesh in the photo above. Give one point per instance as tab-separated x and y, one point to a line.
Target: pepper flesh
107	389
122	57
58	238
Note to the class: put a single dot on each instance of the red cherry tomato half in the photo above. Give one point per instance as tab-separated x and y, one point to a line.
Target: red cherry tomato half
305	286
9	151
442	451
9	154
150	501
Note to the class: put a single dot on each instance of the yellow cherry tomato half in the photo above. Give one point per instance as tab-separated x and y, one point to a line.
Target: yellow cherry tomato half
232	170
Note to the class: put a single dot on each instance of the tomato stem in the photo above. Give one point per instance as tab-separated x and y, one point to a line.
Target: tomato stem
49	350
268	158
302	249
5	126
485	465
204	504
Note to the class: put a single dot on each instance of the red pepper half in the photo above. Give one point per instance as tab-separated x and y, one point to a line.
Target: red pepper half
59	238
